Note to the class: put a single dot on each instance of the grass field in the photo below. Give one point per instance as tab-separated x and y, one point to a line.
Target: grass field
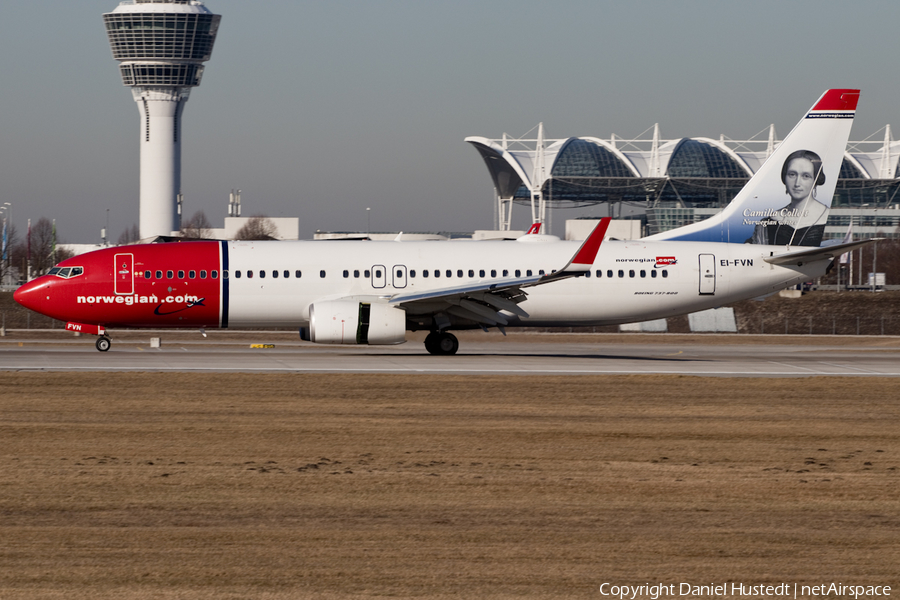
133	485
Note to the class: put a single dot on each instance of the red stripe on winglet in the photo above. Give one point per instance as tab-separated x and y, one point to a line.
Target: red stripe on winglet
589	248
838	100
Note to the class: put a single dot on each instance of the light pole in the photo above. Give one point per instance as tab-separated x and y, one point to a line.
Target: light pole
368	221
4	250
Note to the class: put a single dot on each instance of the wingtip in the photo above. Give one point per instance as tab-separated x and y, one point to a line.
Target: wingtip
838	99
588	251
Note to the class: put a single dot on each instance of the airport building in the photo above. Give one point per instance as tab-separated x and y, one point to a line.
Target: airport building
161	46
675	182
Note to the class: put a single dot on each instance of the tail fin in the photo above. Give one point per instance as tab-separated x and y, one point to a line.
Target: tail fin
787	201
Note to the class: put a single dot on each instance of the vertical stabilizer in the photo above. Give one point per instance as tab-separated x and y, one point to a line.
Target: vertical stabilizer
787	201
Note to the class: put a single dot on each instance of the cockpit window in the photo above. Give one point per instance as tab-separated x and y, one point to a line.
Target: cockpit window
66	272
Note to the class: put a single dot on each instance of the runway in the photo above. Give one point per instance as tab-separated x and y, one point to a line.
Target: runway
521	354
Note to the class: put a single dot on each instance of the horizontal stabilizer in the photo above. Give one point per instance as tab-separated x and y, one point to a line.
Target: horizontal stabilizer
824	253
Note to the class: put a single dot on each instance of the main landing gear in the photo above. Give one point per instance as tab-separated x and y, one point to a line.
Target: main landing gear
441	343
103	343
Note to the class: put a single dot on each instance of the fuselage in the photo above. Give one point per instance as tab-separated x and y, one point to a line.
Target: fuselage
213	284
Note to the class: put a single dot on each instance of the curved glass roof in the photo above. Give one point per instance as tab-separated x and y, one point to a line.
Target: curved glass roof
696	159
849	171
506	180
581	158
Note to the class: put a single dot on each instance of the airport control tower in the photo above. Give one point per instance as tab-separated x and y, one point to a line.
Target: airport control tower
161	46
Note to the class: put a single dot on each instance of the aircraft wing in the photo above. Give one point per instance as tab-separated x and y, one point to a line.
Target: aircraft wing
819	253
482	301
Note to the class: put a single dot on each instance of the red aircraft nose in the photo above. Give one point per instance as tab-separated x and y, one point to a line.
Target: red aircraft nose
32	295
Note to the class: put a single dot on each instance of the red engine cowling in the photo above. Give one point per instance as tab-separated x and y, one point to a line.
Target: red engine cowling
352	322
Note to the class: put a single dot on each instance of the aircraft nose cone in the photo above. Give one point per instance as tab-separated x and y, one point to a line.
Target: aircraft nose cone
31	295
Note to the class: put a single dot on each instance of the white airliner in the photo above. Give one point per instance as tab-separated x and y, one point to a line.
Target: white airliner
368	292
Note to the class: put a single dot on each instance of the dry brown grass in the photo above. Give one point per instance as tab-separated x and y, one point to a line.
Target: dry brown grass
327	486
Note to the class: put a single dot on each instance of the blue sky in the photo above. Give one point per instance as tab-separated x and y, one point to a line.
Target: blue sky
318	110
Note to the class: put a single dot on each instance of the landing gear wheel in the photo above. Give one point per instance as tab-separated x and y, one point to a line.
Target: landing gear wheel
103	344
442	344
431	342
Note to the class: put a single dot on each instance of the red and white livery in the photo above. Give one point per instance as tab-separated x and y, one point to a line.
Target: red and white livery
368	292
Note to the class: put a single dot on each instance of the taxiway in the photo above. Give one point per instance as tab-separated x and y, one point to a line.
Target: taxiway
524	354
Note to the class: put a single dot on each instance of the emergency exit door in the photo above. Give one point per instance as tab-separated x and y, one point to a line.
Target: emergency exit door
707	274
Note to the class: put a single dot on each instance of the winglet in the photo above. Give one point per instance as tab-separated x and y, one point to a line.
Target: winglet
837	100
585	256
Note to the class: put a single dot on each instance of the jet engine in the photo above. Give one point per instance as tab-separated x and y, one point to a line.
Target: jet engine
351	322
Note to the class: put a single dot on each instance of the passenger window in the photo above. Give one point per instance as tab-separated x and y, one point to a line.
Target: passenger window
493	272
147	274
249	274
518	272
399	273
192	274
159	274
202	274
599	273
377	273
170	274
297	274
621	273
587	274
180	274
609	273
322	274
459	272
366	273
437	272
665	273
505	273
274	274
631	272
262	274
214	274
643	273
449	273
237	274
224	274
287	274
541	272
653	274
412	273
528	273
346	273
481	272
356	273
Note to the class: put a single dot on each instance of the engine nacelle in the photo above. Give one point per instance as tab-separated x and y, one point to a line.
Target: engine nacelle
350	322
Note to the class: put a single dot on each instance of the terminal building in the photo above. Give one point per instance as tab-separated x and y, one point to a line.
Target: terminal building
674	182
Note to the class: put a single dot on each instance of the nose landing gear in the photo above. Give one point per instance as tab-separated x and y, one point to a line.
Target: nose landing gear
441	343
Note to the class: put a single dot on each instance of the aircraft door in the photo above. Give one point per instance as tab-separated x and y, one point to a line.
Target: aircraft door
124	269
379	276
399	276
707	274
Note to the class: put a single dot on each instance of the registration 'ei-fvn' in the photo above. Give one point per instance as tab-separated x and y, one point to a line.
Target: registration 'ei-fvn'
372	292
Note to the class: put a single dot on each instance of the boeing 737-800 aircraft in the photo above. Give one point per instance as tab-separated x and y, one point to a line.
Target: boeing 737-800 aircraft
368	292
